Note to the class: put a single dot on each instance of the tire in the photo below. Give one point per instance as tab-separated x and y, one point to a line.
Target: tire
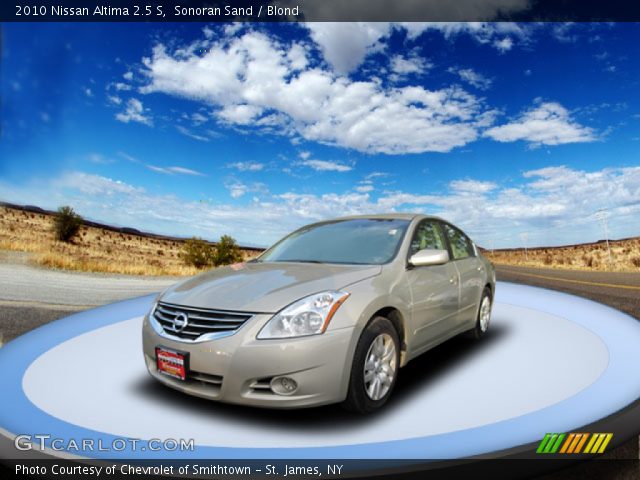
484	308
377	353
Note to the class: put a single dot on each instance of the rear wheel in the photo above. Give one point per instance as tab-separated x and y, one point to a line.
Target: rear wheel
483	318
375	367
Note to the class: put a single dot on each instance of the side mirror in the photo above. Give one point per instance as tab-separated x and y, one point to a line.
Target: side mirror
429	257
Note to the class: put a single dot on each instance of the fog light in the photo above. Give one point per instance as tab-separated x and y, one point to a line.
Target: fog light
284	385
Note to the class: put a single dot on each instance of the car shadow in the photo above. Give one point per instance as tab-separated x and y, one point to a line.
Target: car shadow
413	379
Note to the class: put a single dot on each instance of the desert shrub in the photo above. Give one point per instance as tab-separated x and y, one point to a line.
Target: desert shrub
635	261
198	253
67	223
548	259
227	251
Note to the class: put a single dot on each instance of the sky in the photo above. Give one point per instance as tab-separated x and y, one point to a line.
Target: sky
518	133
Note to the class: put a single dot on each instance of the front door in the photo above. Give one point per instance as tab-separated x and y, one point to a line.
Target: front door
434	290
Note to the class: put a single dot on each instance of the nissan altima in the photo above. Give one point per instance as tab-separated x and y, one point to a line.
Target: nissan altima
330	313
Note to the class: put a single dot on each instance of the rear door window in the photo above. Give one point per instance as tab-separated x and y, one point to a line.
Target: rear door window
461	245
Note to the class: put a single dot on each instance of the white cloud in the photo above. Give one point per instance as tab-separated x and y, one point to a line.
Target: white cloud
185	131
499	35
325	166
114	99
99	158
198	119
563	32
548	123
165	170
88	92
135	112
128	76
472	77
89	184
239	189
122	86
472	186
250	81
345	45
503	45
364	188
247	166
175	170
240	114
297	57
554	204
373	175
411	63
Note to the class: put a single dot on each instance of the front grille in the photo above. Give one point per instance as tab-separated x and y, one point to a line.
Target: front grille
206	378
200	321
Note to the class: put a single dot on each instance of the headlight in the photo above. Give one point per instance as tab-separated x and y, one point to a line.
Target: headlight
307	316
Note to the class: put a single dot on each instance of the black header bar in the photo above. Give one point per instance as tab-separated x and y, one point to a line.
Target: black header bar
319	10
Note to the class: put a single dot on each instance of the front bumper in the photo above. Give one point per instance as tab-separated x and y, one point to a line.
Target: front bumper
239	368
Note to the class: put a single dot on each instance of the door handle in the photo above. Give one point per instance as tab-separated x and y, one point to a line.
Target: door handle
453	280
480	269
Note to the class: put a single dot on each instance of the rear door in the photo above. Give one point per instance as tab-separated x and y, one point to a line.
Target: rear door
470	269
434	290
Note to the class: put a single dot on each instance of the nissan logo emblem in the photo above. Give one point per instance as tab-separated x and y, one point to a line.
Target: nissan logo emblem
180	321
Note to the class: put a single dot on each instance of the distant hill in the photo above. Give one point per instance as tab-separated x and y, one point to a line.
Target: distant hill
625	256
97	247
111	228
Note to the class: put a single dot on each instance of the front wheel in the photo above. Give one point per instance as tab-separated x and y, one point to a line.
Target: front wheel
375	367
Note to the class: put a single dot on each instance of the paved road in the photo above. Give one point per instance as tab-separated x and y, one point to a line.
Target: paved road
619	290
24	283
31	296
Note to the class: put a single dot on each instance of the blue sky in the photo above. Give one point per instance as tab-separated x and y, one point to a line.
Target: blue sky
518	133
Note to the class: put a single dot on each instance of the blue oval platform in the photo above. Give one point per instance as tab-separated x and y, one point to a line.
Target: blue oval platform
551	363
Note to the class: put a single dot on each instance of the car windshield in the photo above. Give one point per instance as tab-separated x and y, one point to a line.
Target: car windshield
357	241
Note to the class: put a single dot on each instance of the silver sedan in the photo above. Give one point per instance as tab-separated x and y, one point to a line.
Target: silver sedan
329	314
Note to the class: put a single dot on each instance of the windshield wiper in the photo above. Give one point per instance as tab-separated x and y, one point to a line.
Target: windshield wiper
297	260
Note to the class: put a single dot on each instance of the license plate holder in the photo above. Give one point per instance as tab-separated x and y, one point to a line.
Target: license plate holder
173	363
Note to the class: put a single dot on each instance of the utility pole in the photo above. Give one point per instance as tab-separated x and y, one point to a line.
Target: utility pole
602	215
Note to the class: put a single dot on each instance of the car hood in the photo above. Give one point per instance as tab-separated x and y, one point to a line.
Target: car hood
263	287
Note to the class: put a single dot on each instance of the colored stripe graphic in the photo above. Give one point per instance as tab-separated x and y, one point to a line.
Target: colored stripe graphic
598	443
581	443
550	443
565	447
574	443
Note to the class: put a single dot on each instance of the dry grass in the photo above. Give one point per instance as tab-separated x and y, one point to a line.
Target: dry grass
625	256
93	249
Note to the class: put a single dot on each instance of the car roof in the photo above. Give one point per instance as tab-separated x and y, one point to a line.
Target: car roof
387	216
